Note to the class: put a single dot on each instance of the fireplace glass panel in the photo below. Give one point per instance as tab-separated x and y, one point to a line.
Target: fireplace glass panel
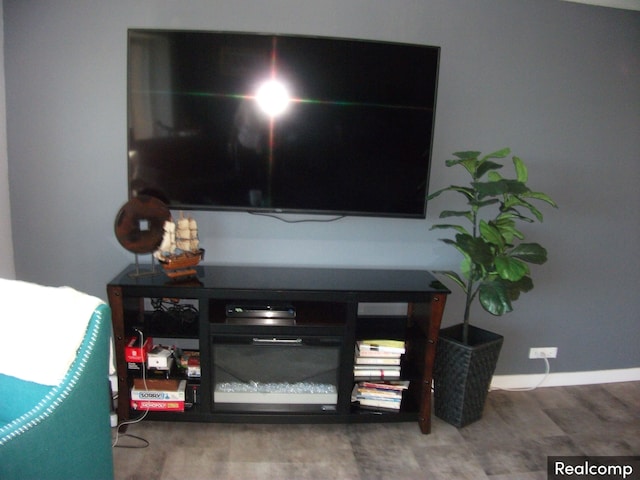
284	373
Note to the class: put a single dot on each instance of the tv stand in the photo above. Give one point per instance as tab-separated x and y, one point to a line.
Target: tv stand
333	308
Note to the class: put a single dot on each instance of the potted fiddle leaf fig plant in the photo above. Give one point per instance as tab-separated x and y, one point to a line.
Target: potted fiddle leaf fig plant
494	270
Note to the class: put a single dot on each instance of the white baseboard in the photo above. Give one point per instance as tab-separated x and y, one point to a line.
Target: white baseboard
560	379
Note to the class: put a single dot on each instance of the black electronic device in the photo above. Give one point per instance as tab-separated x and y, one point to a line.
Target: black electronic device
266	310
266	314
355	136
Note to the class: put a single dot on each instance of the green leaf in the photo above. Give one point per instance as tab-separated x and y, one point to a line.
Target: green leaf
454	244
512	202
514	214
502	153
470	164
484	203
469	160
525	284
507	228
500	187
485	167
518	215
476	248
457	228
494	176
491	234
510	268
494	297
466	191
537	213
507	217
521	170
452	163
466	268
456	279
540	196
530	252
453	213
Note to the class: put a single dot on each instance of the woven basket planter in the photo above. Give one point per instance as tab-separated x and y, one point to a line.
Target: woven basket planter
462	373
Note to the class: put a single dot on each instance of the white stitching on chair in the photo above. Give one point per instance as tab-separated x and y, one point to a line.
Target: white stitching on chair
54	397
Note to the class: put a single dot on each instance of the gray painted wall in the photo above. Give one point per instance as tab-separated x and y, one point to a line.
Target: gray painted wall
7	268
557	82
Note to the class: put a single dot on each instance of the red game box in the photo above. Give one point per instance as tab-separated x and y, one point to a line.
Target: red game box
133	352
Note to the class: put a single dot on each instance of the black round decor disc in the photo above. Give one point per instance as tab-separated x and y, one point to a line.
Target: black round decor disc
139	223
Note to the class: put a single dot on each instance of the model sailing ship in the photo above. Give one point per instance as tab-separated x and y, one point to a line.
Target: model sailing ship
180	252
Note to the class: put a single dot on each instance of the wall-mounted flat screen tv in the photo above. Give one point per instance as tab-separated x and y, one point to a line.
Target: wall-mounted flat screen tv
280	123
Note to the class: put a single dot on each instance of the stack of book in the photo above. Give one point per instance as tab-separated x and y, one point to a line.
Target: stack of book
379	395
158	395
378	359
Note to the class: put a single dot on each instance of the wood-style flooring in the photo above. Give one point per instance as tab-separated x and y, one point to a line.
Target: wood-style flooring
512	441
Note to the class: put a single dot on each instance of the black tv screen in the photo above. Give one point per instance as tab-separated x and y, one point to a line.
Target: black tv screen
354	136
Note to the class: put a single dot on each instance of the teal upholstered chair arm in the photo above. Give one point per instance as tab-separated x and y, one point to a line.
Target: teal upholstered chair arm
61	432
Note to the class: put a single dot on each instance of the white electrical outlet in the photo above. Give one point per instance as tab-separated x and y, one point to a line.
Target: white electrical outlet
543	352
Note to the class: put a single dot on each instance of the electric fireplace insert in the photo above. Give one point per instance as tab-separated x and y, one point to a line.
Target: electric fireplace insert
275	372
